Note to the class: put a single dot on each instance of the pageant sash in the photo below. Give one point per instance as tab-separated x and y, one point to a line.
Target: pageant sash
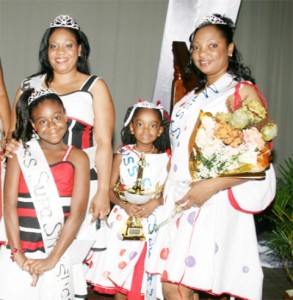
45	197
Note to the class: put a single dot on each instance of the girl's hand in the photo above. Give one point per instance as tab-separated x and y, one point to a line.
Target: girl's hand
19	258
147	209
130	208
198	194
39	266
11	147
35	279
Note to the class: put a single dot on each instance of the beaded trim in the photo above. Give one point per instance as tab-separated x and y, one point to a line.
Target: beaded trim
64	21
211	20
144	104
38	93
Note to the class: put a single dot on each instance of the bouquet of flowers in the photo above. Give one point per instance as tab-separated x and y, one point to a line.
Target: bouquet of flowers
232	143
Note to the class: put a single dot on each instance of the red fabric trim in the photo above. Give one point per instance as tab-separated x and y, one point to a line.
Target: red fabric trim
85	140
235	204
1	191
26	212
205	290
103	290
238	100
135	290
80	121
32	246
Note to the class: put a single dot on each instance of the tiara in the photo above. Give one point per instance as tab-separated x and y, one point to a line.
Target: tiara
39	93
144	104
64	21
211	20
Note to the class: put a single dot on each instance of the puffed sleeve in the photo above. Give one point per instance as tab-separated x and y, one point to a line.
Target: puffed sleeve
254	196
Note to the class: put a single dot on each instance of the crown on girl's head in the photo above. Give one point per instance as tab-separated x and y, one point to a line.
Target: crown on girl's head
64	21
38	93
144	104
211	20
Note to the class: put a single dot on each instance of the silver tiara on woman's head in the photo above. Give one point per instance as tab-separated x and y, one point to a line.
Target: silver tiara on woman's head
64	21
39	93
144	104
211	20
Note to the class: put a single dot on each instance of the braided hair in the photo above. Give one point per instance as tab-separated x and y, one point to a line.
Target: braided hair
162	143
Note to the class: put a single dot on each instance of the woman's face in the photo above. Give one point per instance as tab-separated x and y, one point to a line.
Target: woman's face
63	51
210	52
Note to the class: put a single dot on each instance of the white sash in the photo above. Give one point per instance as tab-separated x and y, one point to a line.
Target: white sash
45	197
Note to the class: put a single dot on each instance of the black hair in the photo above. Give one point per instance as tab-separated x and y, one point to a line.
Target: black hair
23	129
236	68
82	64
162	143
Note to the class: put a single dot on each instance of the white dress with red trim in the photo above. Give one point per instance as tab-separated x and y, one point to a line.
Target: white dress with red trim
212	248
79	110
121	266
16	283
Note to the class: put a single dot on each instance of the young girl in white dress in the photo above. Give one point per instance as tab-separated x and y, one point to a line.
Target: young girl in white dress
121	268
45	199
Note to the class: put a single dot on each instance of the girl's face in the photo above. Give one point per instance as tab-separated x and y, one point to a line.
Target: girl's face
210	52
63	50
146	126
49	121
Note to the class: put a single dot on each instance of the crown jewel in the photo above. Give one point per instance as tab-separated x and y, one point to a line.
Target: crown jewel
64	21
38	93
212	20
144	104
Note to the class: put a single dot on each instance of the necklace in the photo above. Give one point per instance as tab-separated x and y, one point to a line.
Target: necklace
150	152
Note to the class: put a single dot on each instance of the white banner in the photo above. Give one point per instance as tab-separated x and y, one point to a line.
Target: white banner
181	18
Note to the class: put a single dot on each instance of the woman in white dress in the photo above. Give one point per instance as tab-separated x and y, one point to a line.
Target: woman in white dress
211	246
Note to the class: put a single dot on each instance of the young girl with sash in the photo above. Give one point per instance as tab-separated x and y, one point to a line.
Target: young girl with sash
46	194
211	245
143	159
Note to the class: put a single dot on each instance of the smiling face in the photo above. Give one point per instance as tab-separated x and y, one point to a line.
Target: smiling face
146	127
48	119
63	50
210	52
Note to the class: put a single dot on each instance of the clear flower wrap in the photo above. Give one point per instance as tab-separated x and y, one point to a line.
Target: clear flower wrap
232	144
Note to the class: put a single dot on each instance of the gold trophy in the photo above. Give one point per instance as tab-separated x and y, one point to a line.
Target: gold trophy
137	195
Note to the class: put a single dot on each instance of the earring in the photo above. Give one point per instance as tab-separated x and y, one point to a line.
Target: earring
35	135
230	55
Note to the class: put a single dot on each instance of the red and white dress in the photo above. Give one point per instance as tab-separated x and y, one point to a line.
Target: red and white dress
121	266
79	110
212	248
16	283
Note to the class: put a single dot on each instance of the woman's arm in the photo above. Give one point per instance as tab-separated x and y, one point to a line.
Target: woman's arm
115	175
104	116
4	104
13	115
11	184
202	190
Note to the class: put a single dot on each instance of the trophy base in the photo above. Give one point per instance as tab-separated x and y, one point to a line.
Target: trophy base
134	234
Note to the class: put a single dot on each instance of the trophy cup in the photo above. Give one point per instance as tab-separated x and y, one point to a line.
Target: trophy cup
137	195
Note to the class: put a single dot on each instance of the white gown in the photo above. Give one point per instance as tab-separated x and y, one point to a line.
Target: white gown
212	248
115	269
